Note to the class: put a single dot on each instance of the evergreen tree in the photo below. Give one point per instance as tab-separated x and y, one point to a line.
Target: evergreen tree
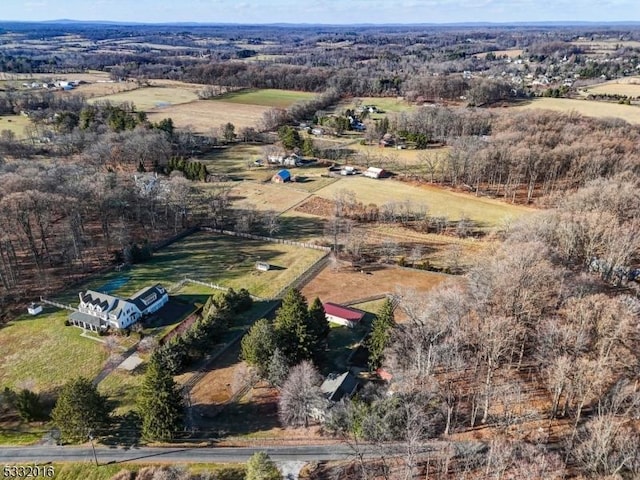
318	328
291	326
28	405
278	368
258	345
380	334
308	148
261	467
80	410
160	404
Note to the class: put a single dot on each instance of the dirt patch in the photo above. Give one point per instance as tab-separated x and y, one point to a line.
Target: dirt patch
317	206
340	283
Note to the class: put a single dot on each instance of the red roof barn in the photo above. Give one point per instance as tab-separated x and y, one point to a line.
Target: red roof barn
346	316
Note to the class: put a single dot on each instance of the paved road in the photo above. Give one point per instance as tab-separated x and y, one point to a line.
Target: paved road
24	455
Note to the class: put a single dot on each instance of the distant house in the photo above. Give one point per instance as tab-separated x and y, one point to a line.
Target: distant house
276	159
349	317
262	266
282	176
346	170
292	160
336	387
99	311
374	172
317	131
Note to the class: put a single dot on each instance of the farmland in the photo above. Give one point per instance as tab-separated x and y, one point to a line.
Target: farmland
204	115
487	213
149	98
630	113
626	86
266	97
15	123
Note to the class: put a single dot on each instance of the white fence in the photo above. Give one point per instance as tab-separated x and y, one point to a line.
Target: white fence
268	239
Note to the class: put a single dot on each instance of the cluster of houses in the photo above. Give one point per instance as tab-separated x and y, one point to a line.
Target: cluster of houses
57	85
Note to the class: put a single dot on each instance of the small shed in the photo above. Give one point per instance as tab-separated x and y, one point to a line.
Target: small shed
282	176
349	317
262	266
374	172
34	309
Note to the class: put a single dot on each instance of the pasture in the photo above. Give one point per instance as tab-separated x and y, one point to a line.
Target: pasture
204	115
513	53
627	86
485	212
266	196
16	124
589	108
265	97
151	98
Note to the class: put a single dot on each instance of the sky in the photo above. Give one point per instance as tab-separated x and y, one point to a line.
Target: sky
322	11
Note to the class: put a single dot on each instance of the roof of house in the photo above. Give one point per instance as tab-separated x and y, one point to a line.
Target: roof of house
375	170
147	296
335	386
103	300
86	318
347	313
284	174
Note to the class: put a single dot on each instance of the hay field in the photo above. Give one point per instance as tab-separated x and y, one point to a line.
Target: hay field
487	213
205	115
15	124
630	113
628	86
514	53
265	97
152	98
266	196
386	104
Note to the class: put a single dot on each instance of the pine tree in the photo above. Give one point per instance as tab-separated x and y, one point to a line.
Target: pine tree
318	328
80	410
278	368
261	467
380	334
291	326
258	345
160	404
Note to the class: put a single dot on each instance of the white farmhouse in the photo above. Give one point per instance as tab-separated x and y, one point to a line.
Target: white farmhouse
100	311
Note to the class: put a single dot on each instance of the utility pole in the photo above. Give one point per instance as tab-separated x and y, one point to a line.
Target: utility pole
95	457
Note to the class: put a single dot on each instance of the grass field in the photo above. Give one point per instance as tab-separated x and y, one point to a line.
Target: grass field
501	53
630	113
266	97
628	86
15	124
42	353
266	196
205	115
225	260
486	213
151	98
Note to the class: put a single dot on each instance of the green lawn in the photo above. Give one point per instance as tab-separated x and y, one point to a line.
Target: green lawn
220	259
42	353
267	97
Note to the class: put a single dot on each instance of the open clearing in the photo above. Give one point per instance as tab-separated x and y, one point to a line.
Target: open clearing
224	260
502	53
149	98
41	353
628	86
266	196
266	97
205	115
15	124
340	283
589	108
485	212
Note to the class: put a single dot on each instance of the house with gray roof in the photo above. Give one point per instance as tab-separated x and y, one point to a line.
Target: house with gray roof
99	311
